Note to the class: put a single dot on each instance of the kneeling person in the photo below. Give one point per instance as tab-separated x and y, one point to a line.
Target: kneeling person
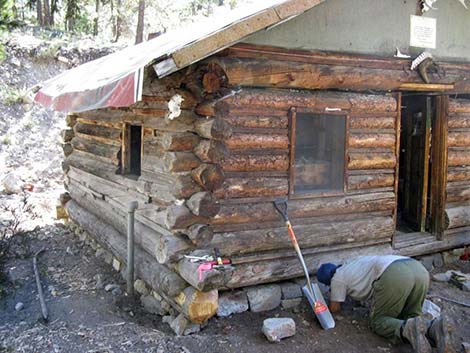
398	287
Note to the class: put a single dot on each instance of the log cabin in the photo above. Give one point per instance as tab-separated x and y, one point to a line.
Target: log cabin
297	99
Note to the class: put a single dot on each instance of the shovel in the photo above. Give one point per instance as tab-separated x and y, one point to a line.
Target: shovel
311	290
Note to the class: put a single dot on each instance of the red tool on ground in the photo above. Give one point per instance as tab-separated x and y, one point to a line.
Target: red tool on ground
311	290
209	265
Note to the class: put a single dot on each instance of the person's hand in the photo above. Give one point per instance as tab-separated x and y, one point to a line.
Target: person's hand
335	307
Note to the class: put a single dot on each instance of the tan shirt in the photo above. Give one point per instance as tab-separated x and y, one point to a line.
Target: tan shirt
356	277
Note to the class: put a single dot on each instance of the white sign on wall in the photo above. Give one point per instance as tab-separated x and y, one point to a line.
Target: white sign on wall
422	32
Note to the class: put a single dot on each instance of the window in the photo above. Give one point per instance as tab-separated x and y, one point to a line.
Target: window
131	149
317	153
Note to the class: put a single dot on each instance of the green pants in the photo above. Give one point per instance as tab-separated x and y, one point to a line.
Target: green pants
398	295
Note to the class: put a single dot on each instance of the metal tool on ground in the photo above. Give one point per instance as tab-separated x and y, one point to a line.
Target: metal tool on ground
45	313
194	258
311	290
450	300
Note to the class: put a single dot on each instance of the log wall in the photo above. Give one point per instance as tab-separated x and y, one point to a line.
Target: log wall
209	175
457	213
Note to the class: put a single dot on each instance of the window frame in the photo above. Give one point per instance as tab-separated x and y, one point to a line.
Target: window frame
293	111
126	149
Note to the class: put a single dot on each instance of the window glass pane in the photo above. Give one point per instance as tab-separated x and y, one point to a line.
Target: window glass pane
319	153
136	146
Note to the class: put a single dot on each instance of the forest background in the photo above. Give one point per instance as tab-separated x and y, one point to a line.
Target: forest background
108	20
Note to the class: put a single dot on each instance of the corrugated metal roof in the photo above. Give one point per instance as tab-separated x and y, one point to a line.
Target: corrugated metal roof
92	85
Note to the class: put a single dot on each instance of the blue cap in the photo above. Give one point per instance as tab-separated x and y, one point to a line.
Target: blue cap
326	272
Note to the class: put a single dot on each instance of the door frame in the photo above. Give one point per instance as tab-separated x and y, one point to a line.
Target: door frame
439	167
438	156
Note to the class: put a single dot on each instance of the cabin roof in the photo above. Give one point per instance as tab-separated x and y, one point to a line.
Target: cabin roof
116	79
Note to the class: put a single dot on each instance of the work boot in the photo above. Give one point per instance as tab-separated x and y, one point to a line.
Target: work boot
414	332
440	334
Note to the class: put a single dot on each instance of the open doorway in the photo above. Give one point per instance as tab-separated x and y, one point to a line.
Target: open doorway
418	117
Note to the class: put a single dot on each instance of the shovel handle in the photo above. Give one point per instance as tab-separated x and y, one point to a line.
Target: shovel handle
281	207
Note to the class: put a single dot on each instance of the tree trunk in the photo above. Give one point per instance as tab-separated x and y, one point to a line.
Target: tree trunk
117	21
47	13
40	16
139	36
95	21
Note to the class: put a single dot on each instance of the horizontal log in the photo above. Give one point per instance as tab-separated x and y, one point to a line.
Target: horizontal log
172	141
371	161
277	269
457	192
217	129
270	122
180	217
371	141
211	151
199	234
169	161
163	188
457	158
159	277
332	218
376	122
265	212
458	121
105	186
178	185
252	162
312	235
302	75
459	106
458	173
151	118
209	280
208	176
319	101
203	204
164	95
99	149
458	139
98	131
105	117
455	72
359	182
457	217
164	246
252	187
247	141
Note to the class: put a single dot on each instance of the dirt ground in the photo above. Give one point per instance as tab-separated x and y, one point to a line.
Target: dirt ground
86	319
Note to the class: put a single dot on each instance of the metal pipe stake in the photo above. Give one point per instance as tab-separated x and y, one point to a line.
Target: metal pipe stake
131	207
